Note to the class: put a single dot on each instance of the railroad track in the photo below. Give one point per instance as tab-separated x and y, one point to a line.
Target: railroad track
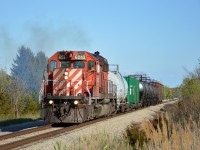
49	134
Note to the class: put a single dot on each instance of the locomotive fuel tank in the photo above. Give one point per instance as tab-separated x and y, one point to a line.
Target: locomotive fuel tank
117	81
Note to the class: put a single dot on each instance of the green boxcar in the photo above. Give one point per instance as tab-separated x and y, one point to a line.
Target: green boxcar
133	95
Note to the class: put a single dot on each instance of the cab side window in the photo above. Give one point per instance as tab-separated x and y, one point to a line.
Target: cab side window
105	67
53	65
90	64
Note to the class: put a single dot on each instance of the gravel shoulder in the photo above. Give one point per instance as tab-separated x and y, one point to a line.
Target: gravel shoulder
114	126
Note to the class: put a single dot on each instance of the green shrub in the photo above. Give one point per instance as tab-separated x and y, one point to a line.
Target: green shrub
135	135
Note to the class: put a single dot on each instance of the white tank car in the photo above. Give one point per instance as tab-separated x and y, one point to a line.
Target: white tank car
122	87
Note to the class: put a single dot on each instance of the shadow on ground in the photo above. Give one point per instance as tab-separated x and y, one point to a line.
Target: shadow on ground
20	126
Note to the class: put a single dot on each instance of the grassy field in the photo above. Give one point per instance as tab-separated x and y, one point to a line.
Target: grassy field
96	141
164	133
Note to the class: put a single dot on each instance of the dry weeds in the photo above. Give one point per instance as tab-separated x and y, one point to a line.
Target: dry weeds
168	135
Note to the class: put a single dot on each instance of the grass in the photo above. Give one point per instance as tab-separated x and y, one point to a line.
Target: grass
171	135
22	119
97	141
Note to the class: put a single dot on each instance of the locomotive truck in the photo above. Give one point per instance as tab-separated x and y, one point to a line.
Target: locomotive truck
79	87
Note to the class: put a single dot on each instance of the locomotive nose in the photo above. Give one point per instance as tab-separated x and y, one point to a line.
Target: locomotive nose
67	82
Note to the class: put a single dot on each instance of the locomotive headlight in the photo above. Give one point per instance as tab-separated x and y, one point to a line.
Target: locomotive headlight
66	75
51	102
75	102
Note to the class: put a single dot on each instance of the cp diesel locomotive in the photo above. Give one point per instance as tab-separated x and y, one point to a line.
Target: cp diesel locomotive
78	87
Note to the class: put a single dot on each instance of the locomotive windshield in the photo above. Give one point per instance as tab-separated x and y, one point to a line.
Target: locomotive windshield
79	64
65	64
52	65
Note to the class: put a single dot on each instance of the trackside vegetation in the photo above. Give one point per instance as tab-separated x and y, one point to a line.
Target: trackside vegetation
176	127
19	89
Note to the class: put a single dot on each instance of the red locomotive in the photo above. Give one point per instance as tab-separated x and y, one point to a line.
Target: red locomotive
75	81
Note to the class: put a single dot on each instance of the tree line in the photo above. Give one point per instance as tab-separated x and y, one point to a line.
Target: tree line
19	90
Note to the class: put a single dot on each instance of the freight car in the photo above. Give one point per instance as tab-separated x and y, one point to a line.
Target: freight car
78	87
142	91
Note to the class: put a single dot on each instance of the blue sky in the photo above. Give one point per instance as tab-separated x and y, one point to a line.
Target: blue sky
158	37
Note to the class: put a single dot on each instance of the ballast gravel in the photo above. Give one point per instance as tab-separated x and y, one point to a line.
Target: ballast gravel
114	126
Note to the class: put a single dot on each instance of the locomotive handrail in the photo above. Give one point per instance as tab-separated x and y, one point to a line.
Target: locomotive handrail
41	93
112	89
90	100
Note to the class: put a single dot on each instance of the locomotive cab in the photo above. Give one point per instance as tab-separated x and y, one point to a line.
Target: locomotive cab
73	73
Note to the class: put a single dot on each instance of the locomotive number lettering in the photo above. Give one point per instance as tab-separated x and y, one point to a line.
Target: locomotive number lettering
79	57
